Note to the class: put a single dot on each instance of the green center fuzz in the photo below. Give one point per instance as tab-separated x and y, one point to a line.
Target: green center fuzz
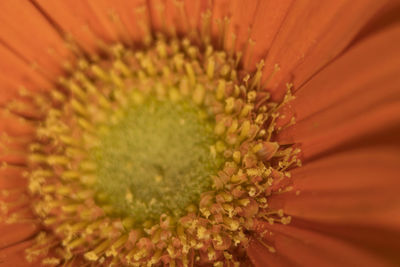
156	160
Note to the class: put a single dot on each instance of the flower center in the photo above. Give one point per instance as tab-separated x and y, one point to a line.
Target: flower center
156	159
163	155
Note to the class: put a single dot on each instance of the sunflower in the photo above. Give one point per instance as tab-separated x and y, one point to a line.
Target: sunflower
199	133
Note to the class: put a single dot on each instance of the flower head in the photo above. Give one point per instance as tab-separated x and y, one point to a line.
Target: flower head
190	133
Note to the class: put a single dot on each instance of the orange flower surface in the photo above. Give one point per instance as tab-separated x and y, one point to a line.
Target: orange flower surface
199	133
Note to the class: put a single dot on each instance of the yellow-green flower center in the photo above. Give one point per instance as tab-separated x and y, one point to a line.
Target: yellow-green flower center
156	159
163	155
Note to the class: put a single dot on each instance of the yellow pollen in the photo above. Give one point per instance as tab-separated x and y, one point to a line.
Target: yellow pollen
164	153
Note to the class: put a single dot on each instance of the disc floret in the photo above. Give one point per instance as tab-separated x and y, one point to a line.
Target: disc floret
241	165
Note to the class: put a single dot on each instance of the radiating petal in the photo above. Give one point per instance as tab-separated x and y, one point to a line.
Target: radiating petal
358	186
193	10
64	16
15	255
131	16
221	11
306	247
34	40
355	96
311	34
260	256
15	126
346	194
12	234
168	16
16	74
11	178
158	14
268	20
240	25
358	15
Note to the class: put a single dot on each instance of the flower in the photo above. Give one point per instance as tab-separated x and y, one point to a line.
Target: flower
342	59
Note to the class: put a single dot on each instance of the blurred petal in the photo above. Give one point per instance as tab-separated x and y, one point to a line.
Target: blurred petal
125	11
304	247
15	255
268	20
17	74
354	96
241	18
84	13
64	16
260	256
349	26
347	191
169	16
12	234
157	13
221	10
34	40
115	19
310	35
15	126
92	22
358	186
193	10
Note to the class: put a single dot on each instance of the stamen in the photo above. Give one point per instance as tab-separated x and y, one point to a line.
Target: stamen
164	154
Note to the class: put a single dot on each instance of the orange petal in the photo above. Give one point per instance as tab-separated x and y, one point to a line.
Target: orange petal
103	18
349	27
358	186
304	247
15	255
355	96
312	33
193	10
168	16
348	125
171	16
221	10
62	14
241	22
133	16
89	19
260	256
268	20
229	20
120	20
15	126
12	178
89	22
157	14
33	39
14	233
378	241
17	73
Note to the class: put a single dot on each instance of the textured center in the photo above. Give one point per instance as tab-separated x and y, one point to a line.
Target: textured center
165	155
156	160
